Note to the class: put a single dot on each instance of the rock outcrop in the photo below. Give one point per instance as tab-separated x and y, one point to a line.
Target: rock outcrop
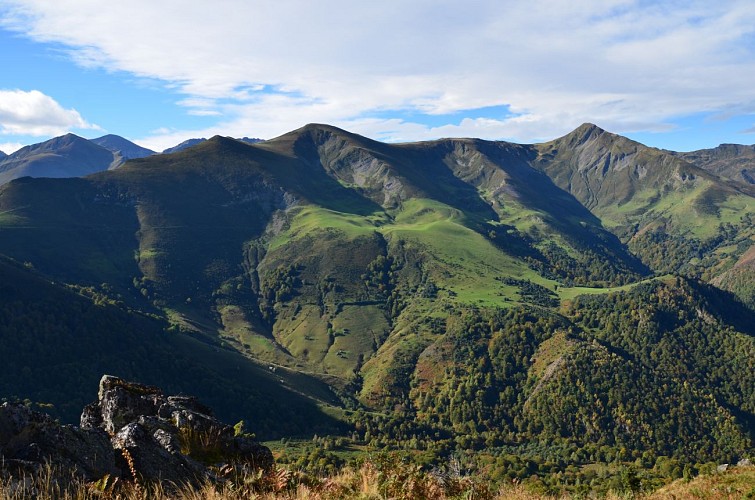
28	439
133	432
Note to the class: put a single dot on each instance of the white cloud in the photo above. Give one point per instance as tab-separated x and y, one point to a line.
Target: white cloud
628	65
36	114
10	147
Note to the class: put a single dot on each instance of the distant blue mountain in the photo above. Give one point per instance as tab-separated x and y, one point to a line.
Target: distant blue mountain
125	148
186	144
193	142
65	156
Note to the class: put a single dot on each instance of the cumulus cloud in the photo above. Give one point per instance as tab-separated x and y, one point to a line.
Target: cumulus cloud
36	114
267	67
10	147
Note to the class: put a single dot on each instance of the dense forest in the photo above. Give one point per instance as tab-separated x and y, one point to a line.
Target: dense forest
658	378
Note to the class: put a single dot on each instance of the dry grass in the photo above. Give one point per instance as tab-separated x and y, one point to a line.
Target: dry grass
373	480
737	483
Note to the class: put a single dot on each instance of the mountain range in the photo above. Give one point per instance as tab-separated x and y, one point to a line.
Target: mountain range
66	156
74	156
589	292
731	161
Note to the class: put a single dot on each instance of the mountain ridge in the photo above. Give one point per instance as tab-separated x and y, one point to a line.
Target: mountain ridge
732	161
528	289
371	195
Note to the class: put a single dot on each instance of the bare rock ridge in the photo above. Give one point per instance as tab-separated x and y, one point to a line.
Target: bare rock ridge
133	432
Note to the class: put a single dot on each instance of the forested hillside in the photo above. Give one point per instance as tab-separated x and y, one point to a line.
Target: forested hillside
56	339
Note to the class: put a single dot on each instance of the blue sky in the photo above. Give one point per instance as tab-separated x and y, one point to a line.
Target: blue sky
675	74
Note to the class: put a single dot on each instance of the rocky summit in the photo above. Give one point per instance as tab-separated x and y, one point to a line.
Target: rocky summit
132	432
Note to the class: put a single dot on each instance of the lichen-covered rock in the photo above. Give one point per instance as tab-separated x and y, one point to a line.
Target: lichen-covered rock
120	402
174	422
132	431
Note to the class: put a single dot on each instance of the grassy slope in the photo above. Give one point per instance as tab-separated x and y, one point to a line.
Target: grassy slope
465	267
737	482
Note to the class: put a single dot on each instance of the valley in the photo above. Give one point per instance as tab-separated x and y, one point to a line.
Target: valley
533	309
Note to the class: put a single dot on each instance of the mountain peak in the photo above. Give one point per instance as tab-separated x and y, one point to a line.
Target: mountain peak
2	155
55	144
589	126
72	137
65	156
320	132
222	140
69	137
315	134
126	148
215	143
581	135
185	144
59	145
321	126
322	129
588	129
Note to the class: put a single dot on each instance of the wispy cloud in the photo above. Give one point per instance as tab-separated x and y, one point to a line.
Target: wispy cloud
36	114
266	67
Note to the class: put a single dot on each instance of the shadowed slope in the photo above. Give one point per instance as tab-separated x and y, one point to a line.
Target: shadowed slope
55	344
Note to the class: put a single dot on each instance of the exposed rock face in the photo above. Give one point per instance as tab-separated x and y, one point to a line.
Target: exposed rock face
28	439
131	431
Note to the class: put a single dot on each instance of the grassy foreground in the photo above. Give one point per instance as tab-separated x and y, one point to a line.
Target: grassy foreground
381	479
